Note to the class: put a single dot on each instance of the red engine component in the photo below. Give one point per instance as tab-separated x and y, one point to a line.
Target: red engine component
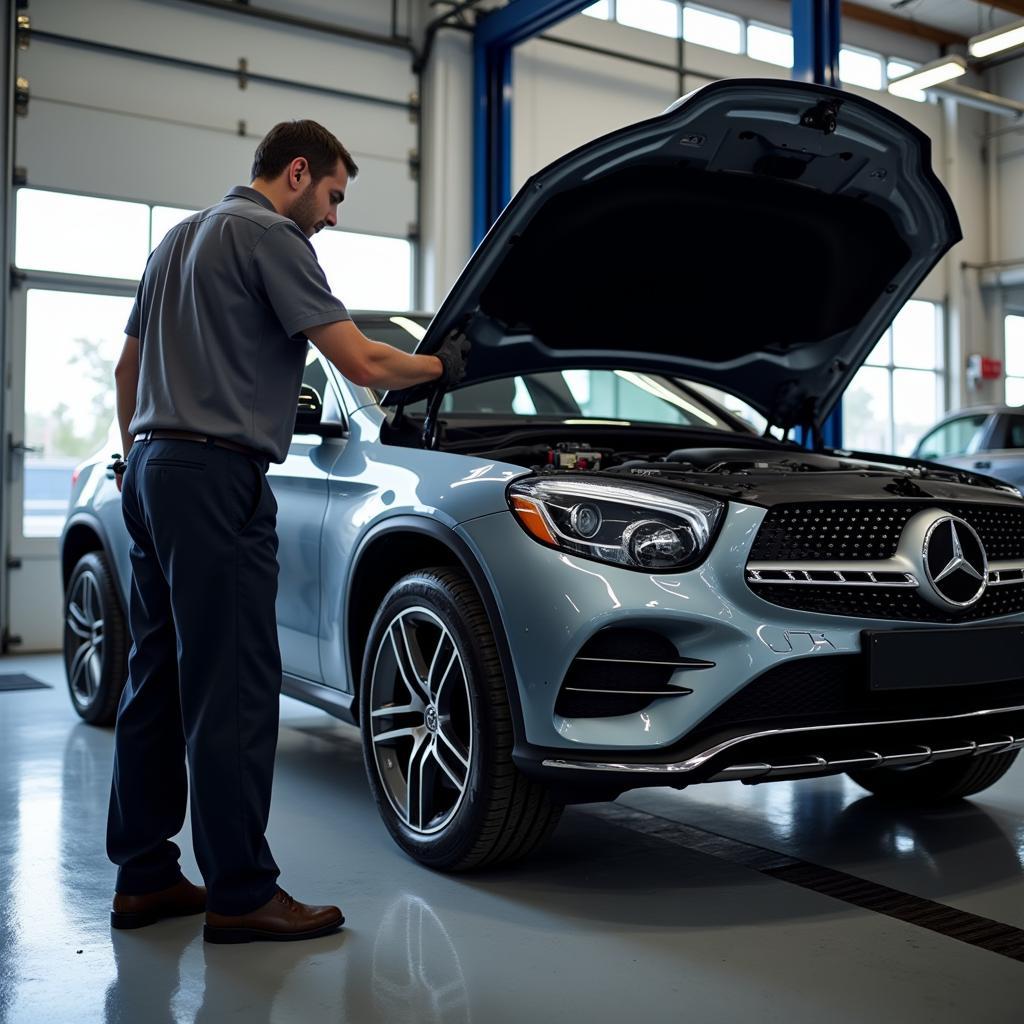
567	455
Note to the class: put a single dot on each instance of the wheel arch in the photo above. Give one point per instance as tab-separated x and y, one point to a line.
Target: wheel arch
396	547
84	533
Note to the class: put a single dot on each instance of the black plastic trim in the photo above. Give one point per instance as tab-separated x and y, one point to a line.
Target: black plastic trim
327	698
469	561
88	519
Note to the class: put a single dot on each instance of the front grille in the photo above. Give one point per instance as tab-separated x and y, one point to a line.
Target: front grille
833	689
830	531
871	530
838	532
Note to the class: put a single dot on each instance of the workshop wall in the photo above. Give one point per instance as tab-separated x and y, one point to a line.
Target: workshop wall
564	96
131	127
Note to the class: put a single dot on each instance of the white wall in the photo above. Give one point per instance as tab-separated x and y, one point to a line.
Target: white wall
122	127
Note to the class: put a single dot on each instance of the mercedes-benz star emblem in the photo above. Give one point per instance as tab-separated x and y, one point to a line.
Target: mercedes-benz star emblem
955	561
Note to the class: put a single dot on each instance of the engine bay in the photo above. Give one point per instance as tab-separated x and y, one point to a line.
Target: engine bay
756	469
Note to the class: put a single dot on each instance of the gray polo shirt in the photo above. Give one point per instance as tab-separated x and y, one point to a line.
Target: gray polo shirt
220	314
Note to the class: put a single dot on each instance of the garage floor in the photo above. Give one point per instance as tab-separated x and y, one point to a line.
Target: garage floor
642	917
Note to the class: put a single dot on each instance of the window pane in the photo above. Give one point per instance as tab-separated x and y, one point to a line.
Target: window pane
81	235
915	336
1015	390
705	28
866	411
366	271
1014	432
602	9
881	353
735	405
661	16
859	68
164	218
587	394
915	406
899	68
770	44
72	343
1014	333
953	438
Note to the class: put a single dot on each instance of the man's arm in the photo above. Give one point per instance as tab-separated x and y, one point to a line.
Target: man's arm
126	377
371	364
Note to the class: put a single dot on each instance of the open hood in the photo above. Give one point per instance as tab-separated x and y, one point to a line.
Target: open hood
758	236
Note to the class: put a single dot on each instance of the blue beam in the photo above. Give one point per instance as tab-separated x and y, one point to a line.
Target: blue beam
494	39
815	25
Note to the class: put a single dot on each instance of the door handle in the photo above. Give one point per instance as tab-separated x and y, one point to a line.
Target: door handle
983	464
20	447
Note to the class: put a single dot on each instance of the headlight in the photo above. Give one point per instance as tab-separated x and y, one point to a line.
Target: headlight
636	527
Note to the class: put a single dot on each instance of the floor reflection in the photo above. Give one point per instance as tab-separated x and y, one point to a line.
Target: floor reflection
416	973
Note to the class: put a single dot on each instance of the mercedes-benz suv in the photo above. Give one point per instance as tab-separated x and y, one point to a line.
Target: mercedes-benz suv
579	573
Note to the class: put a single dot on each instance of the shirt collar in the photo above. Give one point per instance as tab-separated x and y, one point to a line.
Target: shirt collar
244	192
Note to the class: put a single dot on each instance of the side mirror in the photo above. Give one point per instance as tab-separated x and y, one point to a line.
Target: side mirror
308	412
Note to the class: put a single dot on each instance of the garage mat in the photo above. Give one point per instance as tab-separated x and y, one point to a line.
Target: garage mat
995	936
19	681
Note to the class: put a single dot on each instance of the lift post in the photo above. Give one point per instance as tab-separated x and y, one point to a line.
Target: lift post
815	26
494	40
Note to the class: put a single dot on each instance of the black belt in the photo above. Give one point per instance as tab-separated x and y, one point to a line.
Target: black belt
187	435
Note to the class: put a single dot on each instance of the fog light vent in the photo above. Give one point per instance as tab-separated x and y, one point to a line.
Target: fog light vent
620	671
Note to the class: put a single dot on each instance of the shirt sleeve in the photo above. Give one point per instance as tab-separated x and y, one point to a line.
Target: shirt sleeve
134	326
290	276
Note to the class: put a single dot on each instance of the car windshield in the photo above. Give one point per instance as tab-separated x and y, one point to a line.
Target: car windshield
621	396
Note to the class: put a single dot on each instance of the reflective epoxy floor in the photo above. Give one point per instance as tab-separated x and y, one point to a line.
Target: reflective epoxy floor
607	924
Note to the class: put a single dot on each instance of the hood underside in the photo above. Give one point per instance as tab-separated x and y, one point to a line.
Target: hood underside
759	236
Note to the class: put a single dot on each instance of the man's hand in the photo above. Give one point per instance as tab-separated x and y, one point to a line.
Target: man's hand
118	466
453	353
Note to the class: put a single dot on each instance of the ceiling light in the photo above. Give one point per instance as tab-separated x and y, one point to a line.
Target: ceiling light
924	77
999	39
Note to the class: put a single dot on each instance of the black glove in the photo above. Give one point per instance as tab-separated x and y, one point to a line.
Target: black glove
453	353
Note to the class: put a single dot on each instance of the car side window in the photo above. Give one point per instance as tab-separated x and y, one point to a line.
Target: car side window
1014	432
957	437
315	374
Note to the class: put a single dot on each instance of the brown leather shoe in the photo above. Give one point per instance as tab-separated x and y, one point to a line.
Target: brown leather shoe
281	919
179	900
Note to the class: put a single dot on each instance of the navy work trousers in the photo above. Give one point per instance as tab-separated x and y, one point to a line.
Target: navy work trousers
204	673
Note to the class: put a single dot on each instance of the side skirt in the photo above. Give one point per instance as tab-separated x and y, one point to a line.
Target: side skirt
327	698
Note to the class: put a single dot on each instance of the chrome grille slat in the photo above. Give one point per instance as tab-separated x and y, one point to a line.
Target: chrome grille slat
801	576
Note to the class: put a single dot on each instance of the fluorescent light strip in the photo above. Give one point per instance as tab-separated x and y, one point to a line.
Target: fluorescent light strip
996	41
928	75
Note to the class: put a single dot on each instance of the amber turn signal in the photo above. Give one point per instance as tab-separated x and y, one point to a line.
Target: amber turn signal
529	514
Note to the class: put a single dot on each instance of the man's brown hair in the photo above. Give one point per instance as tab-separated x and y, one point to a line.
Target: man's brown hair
290	139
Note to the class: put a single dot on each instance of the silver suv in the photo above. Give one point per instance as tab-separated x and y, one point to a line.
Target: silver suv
578	574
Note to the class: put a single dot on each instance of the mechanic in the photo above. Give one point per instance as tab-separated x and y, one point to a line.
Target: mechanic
207	387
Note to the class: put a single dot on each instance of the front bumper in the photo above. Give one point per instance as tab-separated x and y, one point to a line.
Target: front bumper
551	604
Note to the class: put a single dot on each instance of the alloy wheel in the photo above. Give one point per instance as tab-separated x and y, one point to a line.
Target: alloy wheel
420	720
84	645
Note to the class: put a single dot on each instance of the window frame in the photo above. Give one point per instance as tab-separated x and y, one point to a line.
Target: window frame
1017	315
77	279
766	26
940	372
728	15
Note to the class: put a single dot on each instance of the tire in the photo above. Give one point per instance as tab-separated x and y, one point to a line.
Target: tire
936	783
95	640
453	734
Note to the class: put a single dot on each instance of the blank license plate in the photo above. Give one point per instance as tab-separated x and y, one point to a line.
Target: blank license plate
909	659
